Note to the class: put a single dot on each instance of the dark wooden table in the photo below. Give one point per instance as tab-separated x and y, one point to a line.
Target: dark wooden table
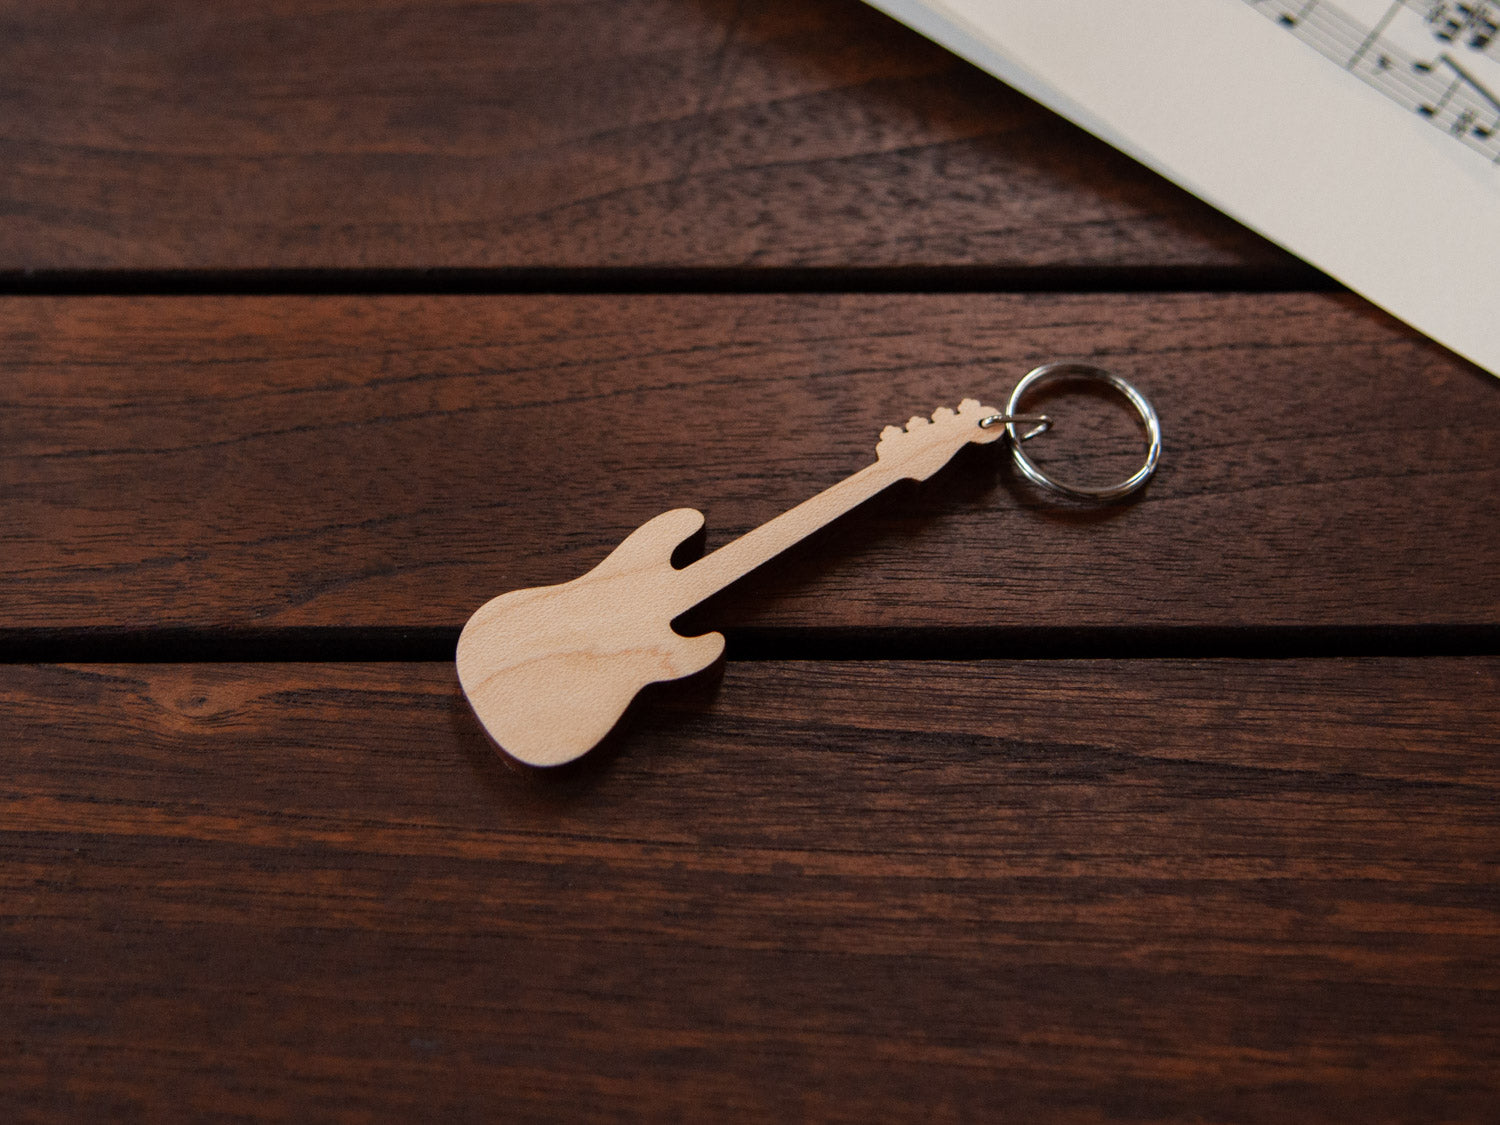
325	322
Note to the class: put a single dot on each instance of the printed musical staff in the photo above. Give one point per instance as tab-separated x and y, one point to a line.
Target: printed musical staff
1410	50
1474	25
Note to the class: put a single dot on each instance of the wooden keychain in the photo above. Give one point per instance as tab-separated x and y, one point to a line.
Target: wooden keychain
550	670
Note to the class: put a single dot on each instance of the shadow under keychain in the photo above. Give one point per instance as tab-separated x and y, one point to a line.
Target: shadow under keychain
550	670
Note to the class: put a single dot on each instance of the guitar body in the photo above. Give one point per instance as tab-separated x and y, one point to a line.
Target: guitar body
550	670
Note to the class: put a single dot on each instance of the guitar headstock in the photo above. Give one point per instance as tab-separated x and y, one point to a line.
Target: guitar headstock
927	444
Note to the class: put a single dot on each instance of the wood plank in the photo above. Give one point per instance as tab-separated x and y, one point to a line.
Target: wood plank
357	462
285	134
1240	891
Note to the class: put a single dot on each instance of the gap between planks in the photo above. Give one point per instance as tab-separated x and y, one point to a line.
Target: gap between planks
428	644
1292	278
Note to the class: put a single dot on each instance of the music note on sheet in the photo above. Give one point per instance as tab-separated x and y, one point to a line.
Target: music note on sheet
1439	59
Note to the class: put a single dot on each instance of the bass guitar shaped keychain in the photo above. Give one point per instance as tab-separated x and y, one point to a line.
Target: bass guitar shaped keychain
550	670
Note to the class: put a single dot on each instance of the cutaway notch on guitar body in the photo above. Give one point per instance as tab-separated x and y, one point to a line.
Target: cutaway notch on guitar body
549	671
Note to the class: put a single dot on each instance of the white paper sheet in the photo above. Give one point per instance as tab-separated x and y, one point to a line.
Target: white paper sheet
1314	123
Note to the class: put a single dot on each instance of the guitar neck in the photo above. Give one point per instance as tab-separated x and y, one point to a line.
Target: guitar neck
738	558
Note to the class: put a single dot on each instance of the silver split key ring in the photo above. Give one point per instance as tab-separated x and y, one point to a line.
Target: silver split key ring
1041	423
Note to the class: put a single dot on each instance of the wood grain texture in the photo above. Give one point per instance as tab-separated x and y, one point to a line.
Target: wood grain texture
1230	891
296	462
277	134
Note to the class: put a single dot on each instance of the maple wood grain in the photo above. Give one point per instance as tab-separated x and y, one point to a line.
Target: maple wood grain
288	134
1218	890
361	462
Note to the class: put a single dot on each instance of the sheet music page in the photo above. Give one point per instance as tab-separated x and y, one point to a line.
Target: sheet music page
1362	135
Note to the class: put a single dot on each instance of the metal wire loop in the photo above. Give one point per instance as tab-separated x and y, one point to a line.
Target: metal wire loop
1043	423
1029	468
